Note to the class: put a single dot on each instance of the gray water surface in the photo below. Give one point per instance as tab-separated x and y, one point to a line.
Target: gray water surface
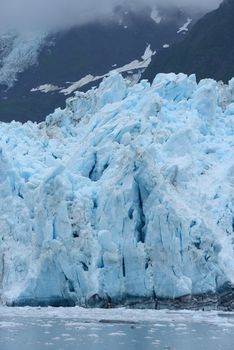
61	332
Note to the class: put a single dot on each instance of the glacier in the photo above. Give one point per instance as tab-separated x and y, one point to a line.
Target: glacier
18	51
125	197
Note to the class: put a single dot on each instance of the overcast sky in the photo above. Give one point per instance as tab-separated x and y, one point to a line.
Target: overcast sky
45	14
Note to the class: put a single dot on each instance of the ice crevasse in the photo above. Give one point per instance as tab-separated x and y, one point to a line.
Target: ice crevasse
125	195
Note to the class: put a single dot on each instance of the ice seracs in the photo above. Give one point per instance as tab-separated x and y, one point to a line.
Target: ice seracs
125	195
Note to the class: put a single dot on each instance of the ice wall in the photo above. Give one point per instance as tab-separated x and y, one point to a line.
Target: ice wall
127	193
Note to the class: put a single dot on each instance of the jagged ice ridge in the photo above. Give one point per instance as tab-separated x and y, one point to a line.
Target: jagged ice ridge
126	194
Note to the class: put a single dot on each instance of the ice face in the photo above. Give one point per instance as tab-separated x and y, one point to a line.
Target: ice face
126	193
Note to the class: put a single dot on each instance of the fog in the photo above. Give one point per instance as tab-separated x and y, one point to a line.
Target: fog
54	14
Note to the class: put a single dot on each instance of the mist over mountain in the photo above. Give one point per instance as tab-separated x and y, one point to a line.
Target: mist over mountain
59	14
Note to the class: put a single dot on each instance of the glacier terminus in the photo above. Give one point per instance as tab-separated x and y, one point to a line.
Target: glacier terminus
125	197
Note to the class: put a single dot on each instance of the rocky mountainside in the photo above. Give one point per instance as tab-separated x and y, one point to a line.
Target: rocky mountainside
36	68
208	51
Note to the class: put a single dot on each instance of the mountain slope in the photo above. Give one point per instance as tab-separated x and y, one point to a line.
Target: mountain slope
125	196
207	51
90	49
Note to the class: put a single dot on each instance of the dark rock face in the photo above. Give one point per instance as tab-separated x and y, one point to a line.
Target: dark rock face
207	51
55	302
223	300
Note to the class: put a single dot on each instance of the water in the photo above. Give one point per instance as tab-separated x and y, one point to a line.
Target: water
65	329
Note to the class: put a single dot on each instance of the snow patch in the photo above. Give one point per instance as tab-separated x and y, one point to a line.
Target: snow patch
46	88
155	16
135	65
184	29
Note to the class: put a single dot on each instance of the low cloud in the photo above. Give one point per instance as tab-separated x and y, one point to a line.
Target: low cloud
54	14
